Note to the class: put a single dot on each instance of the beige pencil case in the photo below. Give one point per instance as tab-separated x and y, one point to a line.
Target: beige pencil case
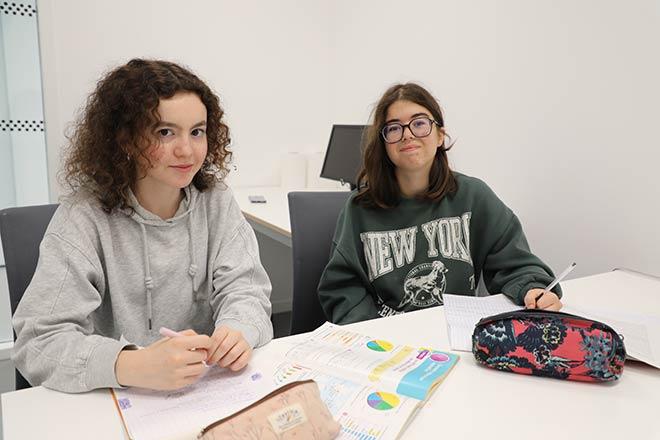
293	411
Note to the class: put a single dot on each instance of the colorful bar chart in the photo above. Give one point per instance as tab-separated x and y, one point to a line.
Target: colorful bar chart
356	430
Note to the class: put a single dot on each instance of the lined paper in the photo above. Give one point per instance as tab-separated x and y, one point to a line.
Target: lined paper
463	312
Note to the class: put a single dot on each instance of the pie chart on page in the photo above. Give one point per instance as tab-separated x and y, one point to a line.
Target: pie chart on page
383	401
380	345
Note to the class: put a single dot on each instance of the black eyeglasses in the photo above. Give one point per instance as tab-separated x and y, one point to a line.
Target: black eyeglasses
419	127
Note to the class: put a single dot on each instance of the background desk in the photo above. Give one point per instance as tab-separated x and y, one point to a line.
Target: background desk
472	403
272	225
270	218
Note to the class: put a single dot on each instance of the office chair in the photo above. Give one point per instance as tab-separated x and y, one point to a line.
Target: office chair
313	220
21	231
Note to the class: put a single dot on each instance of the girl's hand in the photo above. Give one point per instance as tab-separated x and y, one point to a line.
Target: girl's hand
228	349
547	301
167	364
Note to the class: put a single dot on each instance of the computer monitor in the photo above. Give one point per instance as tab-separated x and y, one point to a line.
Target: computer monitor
344	154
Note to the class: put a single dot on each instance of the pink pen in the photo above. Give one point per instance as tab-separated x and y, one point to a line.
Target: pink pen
164	331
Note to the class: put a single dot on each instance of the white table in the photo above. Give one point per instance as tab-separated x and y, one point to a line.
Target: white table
472	403
270	218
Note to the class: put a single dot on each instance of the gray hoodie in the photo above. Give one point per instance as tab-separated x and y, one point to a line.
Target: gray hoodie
107	281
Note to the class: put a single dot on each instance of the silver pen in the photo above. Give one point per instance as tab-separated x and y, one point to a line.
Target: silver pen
556	281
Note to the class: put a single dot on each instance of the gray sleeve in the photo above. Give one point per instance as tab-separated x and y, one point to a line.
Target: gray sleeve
241	288
55	345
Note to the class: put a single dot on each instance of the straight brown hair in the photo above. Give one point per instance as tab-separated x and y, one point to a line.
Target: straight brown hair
376	181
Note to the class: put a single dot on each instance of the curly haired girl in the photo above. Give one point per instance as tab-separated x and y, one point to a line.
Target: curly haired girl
150	237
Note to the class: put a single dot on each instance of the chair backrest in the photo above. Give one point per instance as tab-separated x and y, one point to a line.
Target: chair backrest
313	221
22	230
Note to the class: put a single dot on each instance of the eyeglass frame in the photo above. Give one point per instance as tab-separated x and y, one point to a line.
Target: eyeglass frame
404	126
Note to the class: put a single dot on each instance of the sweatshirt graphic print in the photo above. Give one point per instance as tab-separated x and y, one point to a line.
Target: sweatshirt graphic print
423	284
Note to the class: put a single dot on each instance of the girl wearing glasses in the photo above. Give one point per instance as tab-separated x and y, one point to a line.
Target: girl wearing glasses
151	237
415	229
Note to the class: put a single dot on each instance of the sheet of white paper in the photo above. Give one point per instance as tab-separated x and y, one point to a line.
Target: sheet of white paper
463	312
641	333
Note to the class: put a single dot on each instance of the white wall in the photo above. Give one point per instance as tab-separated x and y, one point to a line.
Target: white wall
267	60
552	103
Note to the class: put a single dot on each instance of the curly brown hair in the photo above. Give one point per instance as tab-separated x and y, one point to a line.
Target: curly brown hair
116	123
376	180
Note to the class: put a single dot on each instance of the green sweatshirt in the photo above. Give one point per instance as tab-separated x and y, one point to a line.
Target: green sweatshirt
386	262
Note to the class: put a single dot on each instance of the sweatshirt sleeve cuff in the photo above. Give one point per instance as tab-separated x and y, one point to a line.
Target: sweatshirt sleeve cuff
102	363
249	331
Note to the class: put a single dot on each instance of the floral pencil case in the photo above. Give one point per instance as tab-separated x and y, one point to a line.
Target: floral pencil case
552	344
293	411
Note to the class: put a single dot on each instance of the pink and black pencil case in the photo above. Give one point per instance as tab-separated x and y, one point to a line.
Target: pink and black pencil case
550	344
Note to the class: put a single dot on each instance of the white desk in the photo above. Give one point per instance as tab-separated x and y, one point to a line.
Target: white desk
472	403
270	218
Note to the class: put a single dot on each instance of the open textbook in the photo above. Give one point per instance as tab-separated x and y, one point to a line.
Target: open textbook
371	386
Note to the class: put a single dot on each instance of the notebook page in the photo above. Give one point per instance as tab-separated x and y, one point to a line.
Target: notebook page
463	312
181	414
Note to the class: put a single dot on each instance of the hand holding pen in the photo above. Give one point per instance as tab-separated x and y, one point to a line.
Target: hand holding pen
545	299
173	362
167	333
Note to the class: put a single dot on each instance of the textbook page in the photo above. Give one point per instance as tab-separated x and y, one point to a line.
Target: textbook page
364	412
463	312
181	414
372	387
401	369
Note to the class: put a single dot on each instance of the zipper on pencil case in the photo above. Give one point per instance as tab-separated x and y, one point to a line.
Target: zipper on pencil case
546	314
268	396
539	314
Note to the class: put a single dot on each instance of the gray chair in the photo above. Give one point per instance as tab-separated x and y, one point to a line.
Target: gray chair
22	230
313	221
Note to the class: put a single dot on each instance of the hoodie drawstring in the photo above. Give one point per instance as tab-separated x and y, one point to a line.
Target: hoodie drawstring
192	269
148	281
